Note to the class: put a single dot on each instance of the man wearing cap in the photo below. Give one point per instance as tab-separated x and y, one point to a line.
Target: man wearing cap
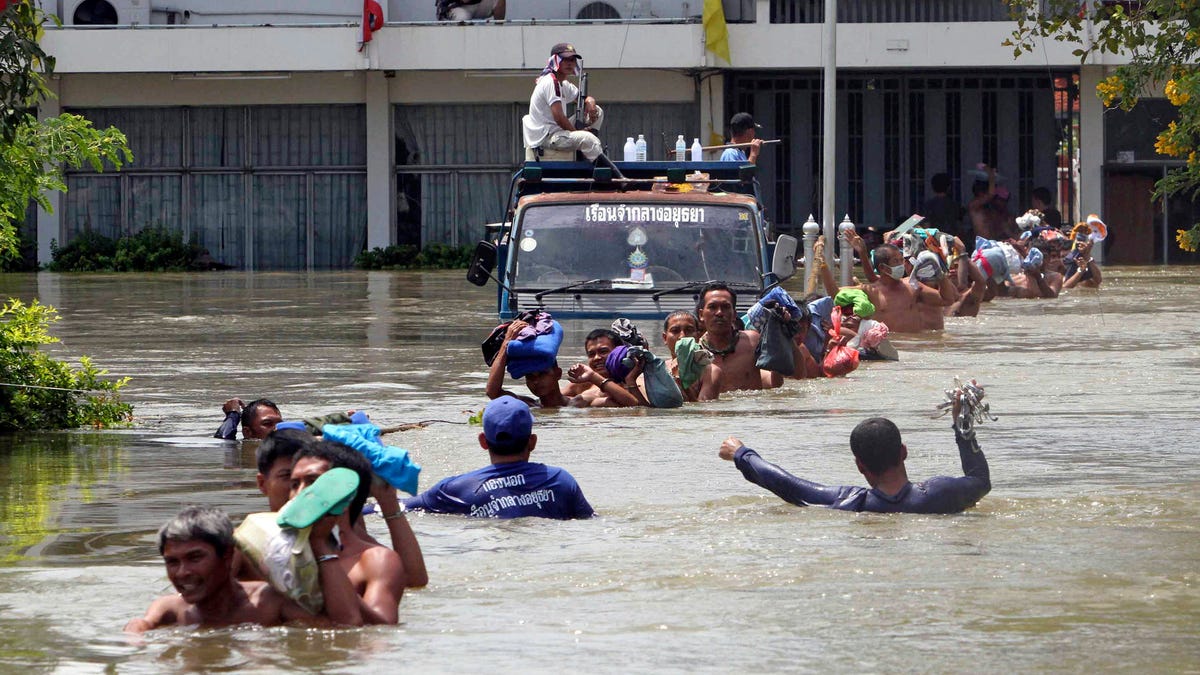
547	124
511	486
742	129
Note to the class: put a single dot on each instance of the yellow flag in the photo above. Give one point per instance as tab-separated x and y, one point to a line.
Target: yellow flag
716	33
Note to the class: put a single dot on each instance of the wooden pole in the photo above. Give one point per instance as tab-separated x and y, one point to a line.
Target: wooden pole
738	145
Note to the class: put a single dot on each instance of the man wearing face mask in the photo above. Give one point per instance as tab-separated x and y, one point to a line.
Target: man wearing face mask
899	303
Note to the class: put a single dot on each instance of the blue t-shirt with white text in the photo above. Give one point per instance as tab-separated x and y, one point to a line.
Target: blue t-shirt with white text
510	490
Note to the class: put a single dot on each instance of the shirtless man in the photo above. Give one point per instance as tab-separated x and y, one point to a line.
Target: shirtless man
899	303
542	384
684	324
197	547
970	284
276	455
989	209
733	350
591	384
376	573
1033	282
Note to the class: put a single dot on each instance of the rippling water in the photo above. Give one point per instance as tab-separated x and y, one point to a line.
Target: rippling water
1084	557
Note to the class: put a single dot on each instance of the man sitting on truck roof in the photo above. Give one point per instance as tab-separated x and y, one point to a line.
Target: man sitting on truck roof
547	125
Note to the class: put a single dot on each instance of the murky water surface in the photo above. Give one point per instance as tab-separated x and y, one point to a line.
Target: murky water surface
1084	557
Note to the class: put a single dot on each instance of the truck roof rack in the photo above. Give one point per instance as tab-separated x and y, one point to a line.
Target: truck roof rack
544	177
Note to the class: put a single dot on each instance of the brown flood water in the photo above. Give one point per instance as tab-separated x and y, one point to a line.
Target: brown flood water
1085	556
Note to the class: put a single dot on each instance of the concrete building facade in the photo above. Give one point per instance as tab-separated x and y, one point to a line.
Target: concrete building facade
268	131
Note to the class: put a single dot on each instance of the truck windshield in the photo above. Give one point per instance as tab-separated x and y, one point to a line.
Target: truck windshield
635	245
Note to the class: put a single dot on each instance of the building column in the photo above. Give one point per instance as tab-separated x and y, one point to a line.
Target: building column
1091	147
380	193
712	111
49	223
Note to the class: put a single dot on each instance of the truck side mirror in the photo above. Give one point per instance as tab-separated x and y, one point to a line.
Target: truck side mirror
483	261
783	262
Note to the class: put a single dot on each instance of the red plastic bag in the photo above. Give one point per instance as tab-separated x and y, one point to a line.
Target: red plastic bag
839	359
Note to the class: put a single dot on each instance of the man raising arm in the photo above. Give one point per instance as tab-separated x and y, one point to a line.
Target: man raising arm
879	454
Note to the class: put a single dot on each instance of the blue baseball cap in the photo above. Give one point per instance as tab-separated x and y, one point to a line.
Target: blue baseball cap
507	424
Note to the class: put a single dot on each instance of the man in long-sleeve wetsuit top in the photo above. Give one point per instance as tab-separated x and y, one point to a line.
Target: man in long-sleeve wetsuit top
880	456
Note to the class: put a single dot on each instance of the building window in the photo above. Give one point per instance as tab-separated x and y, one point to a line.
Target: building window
259	187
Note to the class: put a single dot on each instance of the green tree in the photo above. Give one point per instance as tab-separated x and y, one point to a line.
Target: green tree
1161	39
36	391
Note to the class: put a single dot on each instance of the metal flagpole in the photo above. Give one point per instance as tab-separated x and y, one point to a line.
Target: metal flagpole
829	124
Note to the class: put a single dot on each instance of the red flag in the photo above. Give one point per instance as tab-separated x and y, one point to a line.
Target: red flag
372	20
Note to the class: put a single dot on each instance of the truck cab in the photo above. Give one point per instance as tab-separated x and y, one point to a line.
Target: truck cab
579	243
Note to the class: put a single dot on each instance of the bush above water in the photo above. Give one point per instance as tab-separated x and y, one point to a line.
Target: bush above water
154	249
39	392
408	257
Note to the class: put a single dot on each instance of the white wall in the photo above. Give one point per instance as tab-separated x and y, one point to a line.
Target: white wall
520	47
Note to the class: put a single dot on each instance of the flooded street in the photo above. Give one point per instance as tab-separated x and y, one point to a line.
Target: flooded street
1084	557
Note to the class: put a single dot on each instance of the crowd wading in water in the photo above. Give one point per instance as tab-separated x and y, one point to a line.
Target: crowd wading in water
308	559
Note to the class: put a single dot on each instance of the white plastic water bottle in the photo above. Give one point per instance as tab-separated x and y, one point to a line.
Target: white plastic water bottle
630	149
680	149
641	148
697	151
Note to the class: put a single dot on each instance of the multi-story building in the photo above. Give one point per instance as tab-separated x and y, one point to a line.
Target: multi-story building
270	132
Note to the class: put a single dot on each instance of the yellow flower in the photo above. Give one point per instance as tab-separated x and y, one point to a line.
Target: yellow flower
1188	240
1175	95
1165	143
1110	89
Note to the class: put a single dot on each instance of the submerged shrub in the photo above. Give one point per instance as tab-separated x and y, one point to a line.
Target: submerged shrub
153	249
407	256
39	392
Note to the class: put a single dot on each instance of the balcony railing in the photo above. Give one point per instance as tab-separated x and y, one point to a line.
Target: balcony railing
890	11
310	12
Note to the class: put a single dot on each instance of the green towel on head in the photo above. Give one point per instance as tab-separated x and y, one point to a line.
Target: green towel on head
856	300
691	359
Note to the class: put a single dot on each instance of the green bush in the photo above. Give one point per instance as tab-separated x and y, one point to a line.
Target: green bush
408	257
153	249
38	392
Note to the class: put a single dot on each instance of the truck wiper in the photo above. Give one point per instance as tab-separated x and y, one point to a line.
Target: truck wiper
692	285
538	296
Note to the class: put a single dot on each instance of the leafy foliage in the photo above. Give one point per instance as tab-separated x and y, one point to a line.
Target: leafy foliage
153	249
36	391
407	256
24	65
1161	39
33	164
50	394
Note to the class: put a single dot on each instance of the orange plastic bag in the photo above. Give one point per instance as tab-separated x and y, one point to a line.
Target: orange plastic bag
839	359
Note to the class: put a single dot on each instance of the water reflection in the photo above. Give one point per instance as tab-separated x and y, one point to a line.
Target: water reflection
1084	553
